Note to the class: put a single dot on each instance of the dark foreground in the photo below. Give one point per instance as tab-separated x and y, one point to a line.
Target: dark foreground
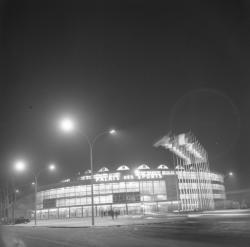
209	230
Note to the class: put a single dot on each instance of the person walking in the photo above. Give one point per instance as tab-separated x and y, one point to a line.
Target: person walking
112	214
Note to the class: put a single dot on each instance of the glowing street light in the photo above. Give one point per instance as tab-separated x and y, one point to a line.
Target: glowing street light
52	167
229	174
20	166
68	125
112	132
17	191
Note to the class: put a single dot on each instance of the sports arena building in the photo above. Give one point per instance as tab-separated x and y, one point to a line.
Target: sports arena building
132	190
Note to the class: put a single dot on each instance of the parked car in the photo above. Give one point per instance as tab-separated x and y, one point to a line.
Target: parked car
21	220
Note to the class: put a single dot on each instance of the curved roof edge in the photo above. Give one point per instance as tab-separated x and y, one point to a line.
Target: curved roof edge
163	167
123	168
103	169
143	167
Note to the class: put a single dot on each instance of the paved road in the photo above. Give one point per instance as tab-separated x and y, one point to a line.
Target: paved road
198	230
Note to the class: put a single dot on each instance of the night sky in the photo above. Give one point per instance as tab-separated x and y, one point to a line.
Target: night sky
142	68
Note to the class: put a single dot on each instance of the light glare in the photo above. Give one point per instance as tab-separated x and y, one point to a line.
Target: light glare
20	166
52	167
67	125
112	132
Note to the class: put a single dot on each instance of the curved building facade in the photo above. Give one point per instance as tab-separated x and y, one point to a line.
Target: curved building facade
128	190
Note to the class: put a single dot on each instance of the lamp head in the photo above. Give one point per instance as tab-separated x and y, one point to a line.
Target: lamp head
20	166
52	167
67	125
112	132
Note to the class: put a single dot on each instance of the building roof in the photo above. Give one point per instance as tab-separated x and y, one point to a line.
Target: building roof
123	168
179	167
143	167
162	167
103	169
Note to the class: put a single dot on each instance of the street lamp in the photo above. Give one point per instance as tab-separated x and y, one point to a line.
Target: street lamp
50	167
112	132
68	125
229	174
20	166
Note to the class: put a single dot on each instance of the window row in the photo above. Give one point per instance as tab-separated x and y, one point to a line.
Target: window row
83	201
145	187
195	186
218	187
65	202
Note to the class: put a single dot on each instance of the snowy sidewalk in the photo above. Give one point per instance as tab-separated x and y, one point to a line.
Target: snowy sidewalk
105	221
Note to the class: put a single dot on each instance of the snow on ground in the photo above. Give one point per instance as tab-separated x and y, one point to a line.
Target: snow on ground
103	221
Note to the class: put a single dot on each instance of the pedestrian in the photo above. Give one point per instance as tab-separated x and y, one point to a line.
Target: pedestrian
112	214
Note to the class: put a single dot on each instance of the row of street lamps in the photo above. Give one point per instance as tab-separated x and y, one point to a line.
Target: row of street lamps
21	166
66	125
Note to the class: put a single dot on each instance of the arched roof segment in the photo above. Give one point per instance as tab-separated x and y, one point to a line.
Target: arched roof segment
87	172
143	167
179	167
103	169
162	167
123	168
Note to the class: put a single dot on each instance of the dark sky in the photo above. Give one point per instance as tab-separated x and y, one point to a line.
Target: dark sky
140	67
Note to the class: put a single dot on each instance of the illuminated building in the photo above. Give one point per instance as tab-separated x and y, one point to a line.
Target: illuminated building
195	179
129	190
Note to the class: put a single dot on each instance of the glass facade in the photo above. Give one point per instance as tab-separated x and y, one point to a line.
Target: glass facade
130	192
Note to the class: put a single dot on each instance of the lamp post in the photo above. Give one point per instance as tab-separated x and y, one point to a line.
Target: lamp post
229	174
51	167
91	146
14	213
21	166
67	125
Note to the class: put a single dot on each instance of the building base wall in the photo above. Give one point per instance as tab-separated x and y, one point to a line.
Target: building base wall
106	210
